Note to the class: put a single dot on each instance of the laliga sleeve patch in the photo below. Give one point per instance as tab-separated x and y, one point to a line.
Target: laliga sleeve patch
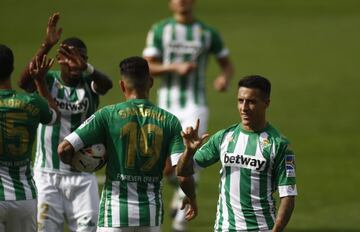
290	165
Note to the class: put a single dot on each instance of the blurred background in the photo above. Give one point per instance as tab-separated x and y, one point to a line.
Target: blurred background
310	50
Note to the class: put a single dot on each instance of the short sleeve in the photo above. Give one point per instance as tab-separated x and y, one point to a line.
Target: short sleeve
153	46
217	46
284	171
209	153
47	114
176	147
91	131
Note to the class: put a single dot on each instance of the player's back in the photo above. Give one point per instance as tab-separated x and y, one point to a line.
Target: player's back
20	115
143	135
139	138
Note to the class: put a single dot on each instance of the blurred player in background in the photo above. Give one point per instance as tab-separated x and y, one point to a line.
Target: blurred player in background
177	50
20	115
139	137
64	192
256	160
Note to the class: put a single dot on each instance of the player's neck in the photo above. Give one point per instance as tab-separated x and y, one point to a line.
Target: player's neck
135	95
68	81
5	84
260	126
185	18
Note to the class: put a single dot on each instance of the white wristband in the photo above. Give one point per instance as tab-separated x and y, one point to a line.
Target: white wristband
89	70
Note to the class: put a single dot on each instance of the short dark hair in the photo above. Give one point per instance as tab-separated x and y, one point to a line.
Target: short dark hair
6	62
76	42
256	82
136	70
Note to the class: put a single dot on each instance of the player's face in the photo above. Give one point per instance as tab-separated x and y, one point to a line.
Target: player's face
181	6
252	108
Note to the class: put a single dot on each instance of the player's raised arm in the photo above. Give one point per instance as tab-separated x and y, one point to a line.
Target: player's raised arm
192	142
53	34
74	59
37	70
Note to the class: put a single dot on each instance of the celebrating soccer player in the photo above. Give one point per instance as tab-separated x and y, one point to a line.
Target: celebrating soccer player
20	115
178	49
139	137
63	191
255	161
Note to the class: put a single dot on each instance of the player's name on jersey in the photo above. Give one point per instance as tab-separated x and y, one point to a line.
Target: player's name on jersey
244	161
141	111
14	163
131	178
17	103
74	107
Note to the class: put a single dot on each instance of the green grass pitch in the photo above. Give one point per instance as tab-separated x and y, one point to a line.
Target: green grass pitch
309	49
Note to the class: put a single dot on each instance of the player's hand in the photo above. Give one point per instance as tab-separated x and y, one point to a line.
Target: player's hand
53	33
184	68
191	208
39	67
191	138
71	56
221	83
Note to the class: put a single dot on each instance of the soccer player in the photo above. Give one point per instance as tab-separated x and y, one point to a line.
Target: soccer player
256	160
20	115
177	50
139	137
64	193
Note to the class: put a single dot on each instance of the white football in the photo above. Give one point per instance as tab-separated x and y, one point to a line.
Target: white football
90	159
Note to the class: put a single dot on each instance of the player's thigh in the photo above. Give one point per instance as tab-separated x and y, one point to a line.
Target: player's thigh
82	204
50	214
4	205
130	229
21	216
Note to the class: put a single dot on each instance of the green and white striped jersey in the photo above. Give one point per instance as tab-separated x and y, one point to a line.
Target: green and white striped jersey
139	137
173	42
75	105
20	115
254	165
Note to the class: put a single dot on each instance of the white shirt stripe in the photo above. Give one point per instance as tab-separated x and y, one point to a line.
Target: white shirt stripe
9	190
133	206
115	204
152	204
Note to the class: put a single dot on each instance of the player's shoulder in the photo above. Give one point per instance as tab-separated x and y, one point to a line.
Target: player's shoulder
28	97
158	26
108	108
32	102
164	22
166	113
207	27
220	135
276	134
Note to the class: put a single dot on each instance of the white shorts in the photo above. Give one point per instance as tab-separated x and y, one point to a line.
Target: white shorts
18	216
130	229
74	197
188	117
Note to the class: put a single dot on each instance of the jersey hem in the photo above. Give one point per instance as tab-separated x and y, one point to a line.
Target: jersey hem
62	172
